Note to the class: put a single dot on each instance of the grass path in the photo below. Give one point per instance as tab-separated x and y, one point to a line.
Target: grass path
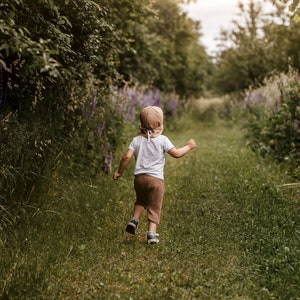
227	232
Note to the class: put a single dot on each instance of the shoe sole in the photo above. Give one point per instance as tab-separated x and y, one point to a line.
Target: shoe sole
130	229
153	241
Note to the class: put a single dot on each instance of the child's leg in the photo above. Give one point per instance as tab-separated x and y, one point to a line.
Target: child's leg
155	199
152	236
152	226
138	206
138	211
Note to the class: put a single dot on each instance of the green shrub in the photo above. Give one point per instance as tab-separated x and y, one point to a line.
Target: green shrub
273	114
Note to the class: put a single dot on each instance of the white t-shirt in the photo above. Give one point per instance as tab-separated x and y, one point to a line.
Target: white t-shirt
150	155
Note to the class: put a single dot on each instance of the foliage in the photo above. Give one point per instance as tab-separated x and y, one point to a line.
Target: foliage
185	63
294	6
128	101
27	53
273	119
60	62
159	45
246	61
258	46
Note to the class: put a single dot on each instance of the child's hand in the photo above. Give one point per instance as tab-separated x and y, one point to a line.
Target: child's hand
116	176
191	143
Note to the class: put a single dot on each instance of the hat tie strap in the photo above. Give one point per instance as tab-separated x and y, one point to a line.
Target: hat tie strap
149	131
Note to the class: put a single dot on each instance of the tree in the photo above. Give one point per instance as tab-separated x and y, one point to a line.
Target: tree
185	62
259	45
246	60
294	7
160	45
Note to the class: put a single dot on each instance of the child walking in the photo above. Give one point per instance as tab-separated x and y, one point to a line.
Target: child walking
149	149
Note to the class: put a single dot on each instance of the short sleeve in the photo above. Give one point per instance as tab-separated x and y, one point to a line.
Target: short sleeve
131	145
168	145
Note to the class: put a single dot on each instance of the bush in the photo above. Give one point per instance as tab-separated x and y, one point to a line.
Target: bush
273	114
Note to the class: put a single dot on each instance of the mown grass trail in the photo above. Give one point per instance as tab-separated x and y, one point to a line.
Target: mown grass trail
227	232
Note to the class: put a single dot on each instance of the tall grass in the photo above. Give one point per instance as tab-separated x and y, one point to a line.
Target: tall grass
228	231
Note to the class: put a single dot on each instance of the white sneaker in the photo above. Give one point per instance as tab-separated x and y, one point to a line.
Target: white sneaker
152	237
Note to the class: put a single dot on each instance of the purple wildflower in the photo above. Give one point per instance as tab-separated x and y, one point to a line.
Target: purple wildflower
133	100
100	129
107	159
147	99
92	106
296	127
131	112
247	101
296	77
126	100
156	100
259	98
172	105
122	104
281	96
106	148
276	105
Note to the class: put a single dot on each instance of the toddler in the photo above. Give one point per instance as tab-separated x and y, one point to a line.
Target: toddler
149	148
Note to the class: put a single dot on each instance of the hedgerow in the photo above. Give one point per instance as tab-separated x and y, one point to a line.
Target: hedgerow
273	115
63	64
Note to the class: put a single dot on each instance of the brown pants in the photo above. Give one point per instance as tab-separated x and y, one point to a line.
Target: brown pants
149	194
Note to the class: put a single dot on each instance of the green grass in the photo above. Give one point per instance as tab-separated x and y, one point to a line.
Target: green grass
227	231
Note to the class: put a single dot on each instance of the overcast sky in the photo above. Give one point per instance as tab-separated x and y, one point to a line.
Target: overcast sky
213	15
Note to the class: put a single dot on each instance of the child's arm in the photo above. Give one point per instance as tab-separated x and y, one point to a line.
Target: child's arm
177	153
123	163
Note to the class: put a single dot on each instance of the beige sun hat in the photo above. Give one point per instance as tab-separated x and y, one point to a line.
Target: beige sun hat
152	119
